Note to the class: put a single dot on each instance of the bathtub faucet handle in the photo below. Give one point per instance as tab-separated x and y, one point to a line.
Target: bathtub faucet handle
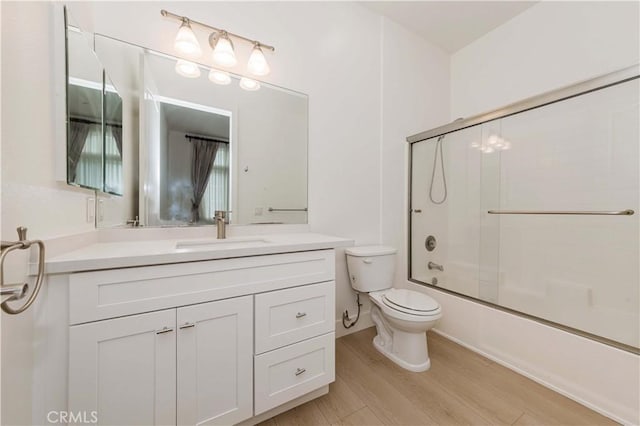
432	265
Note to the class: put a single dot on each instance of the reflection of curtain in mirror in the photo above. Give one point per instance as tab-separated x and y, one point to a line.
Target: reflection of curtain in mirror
203	156
116	132
78	132
89	167
113	160
216	196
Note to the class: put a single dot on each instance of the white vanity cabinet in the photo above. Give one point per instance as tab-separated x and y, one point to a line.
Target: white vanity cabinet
193	364
123	370
175	344
215	362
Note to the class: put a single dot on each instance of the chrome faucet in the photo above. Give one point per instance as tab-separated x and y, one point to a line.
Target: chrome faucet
221	223
432	265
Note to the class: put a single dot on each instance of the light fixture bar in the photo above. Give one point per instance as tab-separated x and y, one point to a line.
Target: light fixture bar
168	14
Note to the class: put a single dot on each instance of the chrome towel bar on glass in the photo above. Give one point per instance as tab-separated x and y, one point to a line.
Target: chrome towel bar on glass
271	209
627	212
18	291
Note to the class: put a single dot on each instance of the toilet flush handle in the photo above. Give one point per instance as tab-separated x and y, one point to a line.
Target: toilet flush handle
367	261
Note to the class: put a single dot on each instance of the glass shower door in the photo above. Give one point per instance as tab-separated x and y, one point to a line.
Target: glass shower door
445	204
578	270
530	213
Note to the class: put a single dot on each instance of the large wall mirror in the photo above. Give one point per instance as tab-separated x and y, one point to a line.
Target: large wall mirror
204	146
94	118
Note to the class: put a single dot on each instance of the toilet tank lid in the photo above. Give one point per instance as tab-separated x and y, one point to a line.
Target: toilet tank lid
364	251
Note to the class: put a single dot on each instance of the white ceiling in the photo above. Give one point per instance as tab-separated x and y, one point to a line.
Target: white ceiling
450	24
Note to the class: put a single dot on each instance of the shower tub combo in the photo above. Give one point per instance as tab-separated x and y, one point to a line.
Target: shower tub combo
533	209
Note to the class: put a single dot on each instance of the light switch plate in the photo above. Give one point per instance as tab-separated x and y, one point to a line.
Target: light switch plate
91	210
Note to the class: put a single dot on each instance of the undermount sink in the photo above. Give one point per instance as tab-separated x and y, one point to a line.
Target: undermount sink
214	244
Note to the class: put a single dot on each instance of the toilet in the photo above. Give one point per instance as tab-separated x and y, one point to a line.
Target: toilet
402	317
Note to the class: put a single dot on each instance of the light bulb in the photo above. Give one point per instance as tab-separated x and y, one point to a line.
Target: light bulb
223	53
186	41
187	69
249	84
219	77
257	64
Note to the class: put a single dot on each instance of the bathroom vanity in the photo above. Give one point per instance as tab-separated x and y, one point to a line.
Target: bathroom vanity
197	331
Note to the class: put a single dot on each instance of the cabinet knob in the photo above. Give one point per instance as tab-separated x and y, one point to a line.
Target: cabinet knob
301	314
165	330
299	371
187	325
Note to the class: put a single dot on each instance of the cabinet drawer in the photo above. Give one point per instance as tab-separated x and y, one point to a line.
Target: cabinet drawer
112	293
287	373
287	316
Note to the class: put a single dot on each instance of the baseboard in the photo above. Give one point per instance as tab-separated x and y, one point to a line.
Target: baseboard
533	377
365	321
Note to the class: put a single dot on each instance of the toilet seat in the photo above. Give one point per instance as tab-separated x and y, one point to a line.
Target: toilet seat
410	301
418	306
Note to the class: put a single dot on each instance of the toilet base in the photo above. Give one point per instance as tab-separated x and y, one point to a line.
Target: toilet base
386	351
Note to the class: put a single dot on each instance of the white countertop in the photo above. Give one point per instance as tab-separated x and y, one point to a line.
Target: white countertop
124	254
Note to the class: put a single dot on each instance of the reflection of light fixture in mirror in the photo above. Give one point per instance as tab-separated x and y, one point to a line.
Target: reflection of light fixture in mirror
223	53
187	69
491	144
257	64
186	41
219	77
249	84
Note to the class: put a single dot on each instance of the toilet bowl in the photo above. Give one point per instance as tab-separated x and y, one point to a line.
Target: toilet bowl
402	329
401	316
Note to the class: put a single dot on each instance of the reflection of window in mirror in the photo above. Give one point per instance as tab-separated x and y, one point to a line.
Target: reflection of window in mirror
85	133
113	183
86	144
195	161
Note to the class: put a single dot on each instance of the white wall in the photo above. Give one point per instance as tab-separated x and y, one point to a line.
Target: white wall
31	196
550	45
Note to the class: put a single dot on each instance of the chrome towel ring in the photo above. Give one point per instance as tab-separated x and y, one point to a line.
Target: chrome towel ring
14	292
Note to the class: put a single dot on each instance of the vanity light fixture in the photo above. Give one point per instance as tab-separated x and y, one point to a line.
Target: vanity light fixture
187	69
257	64
186	41
220	41
222	46
249	84
219	77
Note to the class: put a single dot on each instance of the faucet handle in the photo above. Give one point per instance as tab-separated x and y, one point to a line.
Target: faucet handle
221	215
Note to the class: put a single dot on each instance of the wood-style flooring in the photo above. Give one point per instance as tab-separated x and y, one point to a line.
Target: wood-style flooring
461	388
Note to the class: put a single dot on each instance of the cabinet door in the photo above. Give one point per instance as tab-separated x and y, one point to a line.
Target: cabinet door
215	362
124	369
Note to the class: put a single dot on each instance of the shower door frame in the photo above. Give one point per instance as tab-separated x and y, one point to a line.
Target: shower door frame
548	98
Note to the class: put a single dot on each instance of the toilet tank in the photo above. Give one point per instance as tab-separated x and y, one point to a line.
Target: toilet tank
371	268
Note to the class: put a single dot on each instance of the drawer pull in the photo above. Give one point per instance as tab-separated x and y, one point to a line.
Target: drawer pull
165	330
299	371
301	314
187	325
